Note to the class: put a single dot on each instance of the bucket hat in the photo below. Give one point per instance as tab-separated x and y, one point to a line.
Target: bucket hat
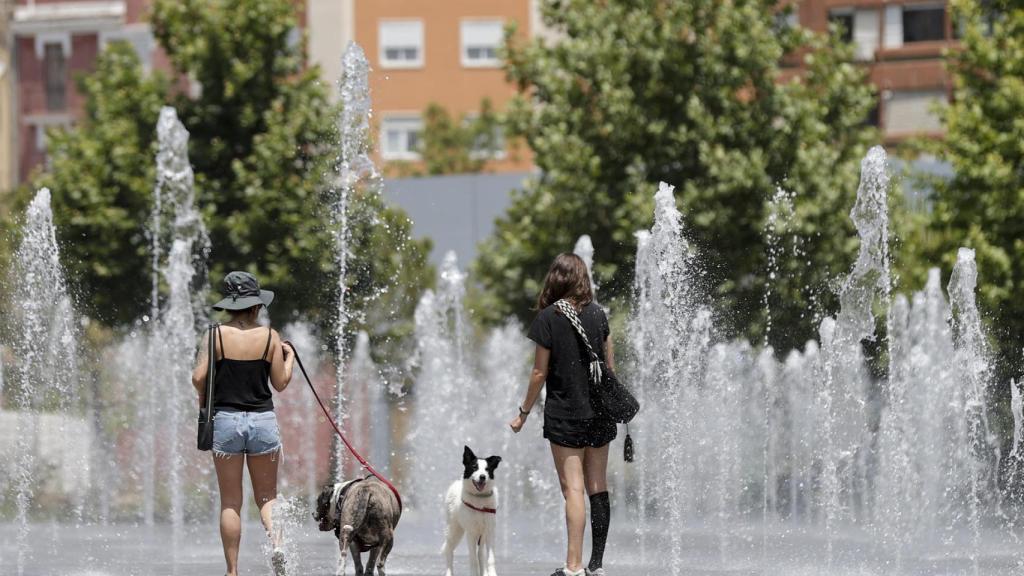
241	290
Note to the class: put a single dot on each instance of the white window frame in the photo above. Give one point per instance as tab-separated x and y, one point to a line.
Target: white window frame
140	37
464	47
406	121
419	42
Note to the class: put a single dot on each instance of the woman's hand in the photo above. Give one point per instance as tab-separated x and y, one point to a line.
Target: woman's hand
287	351
517	423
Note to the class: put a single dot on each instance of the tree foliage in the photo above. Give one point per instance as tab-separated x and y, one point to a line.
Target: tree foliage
691	93
262	142
982	205
101	175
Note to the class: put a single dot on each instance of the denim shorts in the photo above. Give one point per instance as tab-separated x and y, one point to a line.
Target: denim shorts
246	433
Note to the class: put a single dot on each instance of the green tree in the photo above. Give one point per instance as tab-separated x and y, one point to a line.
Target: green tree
451	145
262	141
101	176
691	93
982	205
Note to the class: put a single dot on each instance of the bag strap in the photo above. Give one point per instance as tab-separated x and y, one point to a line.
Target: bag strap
270	334
211	354
569	312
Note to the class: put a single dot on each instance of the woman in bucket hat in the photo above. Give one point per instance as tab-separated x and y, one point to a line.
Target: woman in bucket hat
245	431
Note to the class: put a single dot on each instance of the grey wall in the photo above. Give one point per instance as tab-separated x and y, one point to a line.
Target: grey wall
457	212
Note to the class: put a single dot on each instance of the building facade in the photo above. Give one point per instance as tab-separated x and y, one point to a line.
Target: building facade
7	146
901	43
423	53
53	42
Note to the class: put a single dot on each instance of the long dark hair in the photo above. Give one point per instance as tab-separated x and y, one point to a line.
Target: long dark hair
567	279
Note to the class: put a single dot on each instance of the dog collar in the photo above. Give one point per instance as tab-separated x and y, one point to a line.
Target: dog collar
332	513
479	509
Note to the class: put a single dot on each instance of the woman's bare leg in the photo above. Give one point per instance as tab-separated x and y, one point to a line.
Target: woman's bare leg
263	473
569	464
229	480
595	469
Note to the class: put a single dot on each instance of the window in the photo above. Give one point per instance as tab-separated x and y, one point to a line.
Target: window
893	27
858	27
842	20
787	18
480	42
923	23
866	33
56	76
140	37
401	44
487	145
400	138
913	111
490	147
874	115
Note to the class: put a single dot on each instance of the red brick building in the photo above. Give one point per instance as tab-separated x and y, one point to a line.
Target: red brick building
901	42
52	42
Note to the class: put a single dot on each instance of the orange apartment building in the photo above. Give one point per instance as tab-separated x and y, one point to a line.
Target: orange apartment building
444	52
422	53
901	43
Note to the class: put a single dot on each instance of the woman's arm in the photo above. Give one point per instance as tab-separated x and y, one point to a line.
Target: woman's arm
281	362
538	376
199	372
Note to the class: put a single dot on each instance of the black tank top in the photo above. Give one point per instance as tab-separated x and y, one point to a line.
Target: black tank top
242	385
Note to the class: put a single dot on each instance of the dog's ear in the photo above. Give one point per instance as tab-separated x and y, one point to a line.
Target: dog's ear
492	464
468	457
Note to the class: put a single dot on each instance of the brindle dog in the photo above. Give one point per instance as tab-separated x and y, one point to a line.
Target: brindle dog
363	514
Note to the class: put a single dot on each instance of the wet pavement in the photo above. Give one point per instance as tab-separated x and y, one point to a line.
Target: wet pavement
530	545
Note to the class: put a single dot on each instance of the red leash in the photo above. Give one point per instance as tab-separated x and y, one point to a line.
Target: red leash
344	440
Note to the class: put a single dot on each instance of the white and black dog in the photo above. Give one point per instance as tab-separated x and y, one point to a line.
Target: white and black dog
471	505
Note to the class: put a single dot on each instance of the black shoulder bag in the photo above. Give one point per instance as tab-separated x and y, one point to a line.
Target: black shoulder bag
205	437
609	397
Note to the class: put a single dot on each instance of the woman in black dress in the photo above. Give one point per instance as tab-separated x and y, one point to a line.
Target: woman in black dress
579	438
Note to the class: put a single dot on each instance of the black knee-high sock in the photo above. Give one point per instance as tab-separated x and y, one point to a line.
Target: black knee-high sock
600	517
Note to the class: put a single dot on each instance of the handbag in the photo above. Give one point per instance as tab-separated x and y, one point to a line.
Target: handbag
608	397
204	439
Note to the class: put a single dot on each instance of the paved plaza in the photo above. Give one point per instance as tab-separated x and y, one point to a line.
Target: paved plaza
526	549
